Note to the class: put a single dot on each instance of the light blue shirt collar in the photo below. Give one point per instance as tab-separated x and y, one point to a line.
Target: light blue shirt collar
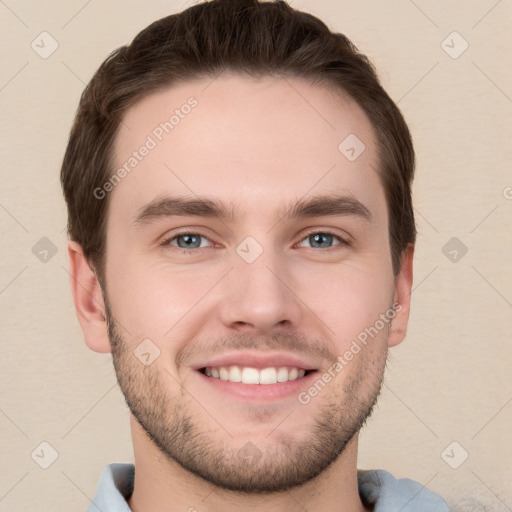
376	487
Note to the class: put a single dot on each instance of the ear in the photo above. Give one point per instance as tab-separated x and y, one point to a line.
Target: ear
88	299
402	298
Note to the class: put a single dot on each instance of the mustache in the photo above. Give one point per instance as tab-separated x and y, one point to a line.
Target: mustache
294	343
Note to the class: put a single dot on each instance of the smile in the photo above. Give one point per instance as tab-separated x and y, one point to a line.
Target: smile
248	375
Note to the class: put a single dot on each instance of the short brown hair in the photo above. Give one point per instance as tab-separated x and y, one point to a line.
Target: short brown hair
240	36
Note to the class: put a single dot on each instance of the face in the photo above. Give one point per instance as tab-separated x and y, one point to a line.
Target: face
247	256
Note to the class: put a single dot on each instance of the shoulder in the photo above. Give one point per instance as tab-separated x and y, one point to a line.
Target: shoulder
380	488
115	486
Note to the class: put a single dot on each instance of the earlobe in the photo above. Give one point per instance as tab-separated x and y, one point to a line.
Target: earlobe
88	299
402	298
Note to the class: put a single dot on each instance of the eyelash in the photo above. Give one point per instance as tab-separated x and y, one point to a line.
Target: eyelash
166	242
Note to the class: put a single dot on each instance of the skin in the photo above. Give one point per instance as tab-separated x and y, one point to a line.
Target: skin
258	145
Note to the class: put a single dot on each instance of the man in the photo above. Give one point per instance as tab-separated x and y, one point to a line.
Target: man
242	235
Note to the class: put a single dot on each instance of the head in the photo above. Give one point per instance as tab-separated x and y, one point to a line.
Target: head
222	126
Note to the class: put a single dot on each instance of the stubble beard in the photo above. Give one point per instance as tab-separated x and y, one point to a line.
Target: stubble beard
279	464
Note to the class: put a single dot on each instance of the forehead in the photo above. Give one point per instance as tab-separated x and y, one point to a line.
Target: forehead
251	143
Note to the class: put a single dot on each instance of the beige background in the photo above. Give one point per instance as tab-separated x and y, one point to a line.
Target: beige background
449	381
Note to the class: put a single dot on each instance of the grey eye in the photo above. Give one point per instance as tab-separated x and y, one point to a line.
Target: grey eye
320	240
188	241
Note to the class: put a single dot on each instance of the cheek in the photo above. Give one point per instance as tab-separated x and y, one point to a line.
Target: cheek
152	300
350	299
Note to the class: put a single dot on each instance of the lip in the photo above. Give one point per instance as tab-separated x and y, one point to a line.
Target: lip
259	392
259	360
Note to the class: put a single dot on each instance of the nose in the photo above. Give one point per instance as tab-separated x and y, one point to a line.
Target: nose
258	297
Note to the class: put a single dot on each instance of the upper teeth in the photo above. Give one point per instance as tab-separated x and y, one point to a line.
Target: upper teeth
248	375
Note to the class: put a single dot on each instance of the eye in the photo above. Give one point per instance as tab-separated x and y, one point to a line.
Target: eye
323	240
187	241
316	239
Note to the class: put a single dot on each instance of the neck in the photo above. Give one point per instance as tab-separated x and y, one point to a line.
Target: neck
162	485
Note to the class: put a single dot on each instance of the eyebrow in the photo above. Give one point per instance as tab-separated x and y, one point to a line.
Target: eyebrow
317	206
